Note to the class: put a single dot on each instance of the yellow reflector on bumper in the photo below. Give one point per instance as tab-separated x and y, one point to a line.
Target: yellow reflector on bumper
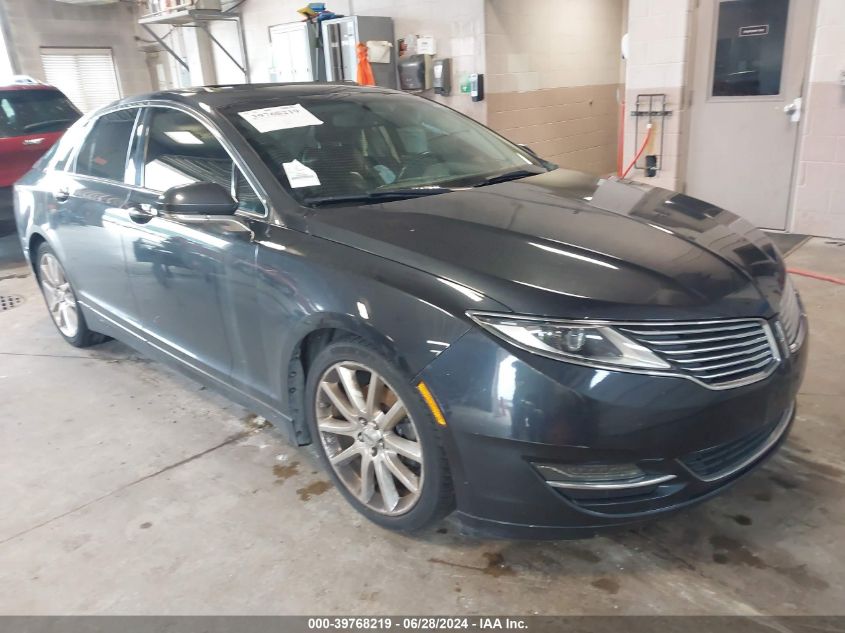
432	403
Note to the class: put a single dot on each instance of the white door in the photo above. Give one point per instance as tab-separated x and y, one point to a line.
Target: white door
748	82
291	52
86	75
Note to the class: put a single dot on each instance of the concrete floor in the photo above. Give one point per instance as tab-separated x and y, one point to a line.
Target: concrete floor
128	489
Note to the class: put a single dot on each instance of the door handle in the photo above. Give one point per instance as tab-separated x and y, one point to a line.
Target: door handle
793	110
140	213
34	141
61	195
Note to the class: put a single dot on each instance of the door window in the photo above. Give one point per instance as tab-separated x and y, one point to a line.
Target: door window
104	151
181	150
751	35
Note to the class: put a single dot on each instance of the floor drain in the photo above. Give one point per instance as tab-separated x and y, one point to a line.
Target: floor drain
7	302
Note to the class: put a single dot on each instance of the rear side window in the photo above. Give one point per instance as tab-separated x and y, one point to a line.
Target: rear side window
105	149
24	112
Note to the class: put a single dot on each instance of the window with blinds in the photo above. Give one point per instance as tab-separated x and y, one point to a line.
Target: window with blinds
86	75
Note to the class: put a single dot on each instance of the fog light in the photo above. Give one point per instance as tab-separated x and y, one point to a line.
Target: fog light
598	476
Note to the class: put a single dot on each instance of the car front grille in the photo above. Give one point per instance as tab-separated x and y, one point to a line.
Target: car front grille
726	459
790	313
719	354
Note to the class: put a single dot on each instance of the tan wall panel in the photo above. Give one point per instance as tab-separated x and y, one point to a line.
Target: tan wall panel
575	127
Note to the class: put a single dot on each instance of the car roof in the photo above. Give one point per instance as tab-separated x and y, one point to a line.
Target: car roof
28	87
225	95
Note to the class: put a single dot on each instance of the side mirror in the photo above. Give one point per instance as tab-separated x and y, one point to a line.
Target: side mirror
198	198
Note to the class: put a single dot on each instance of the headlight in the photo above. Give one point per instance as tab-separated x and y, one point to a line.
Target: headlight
584	343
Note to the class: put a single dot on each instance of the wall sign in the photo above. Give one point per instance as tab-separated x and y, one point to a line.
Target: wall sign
752	31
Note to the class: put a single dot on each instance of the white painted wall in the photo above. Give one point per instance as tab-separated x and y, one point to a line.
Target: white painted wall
572	43
36	23
457	26
819	203
659	33
6	68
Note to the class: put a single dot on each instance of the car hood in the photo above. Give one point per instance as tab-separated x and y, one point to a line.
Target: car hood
570	245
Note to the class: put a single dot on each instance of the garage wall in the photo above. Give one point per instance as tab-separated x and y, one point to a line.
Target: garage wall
36	23
6	66
819	205
457	26
659	37
553	78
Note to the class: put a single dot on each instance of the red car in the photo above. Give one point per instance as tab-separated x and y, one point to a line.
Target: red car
32	117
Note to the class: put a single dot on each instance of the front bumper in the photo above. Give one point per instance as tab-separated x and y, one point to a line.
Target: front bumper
509	411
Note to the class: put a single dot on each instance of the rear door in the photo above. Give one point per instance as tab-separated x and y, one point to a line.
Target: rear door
91	217
31	120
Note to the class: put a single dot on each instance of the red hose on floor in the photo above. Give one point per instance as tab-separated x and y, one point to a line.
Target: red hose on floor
640	153
620	142
819	276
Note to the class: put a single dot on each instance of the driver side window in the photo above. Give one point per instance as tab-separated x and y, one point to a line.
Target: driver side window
180	150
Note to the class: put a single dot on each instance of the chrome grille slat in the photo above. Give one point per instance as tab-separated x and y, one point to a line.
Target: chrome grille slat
720	354
691	331
750	359
711	339
718	348
707	359
736	371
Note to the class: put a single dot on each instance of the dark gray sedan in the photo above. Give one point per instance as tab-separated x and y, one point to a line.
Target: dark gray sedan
457	324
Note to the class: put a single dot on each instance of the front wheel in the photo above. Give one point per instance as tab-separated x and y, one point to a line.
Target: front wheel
377	438
61	300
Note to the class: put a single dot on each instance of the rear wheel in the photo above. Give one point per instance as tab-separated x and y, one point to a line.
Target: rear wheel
376	438
61	300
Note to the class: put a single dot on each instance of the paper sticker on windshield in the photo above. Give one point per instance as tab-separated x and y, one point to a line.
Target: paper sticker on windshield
300	175
280	118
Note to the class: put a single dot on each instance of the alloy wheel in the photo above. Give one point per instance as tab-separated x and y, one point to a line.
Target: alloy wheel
369	438
60	298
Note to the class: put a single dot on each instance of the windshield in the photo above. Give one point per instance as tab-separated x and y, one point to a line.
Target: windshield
24	112
380	146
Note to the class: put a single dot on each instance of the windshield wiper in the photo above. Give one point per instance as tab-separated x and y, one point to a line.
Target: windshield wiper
377	196
510	175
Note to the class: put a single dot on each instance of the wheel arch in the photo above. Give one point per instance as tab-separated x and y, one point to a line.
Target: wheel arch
34	243
313	335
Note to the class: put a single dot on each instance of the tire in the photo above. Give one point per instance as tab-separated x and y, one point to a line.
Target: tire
377	437
61	300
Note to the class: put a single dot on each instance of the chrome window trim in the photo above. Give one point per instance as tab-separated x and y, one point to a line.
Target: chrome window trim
777	358
87	125
773	438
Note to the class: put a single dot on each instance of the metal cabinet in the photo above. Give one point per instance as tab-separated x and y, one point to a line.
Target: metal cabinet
340	39
294	53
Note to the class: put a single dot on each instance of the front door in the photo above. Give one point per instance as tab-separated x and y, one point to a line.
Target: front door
746	105
190	278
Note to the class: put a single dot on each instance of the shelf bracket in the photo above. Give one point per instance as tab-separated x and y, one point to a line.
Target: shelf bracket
207	31
164	45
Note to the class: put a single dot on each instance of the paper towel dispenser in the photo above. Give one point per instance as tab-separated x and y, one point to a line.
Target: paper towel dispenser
415	72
